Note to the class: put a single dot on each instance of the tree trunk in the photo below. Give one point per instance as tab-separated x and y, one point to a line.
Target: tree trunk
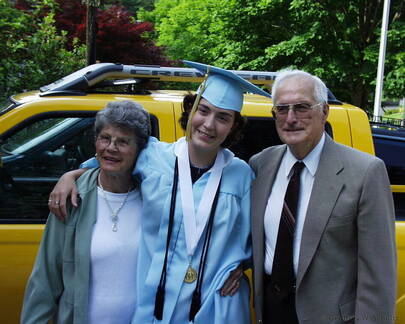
359	95
91	33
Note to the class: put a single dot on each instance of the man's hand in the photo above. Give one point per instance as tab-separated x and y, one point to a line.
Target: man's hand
65	187
232	284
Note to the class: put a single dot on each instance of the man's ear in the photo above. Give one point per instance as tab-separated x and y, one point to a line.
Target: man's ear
274	114
325	111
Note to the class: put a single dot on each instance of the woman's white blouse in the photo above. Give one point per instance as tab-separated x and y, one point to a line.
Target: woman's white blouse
112	294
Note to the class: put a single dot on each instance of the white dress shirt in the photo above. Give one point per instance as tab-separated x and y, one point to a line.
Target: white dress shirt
275	203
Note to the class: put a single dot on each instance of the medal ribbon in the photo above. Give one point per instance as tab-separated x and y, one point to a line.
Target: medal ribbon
194	224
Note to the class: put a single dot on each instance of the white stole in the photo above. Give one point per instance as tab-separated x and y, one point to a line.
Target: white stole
194	224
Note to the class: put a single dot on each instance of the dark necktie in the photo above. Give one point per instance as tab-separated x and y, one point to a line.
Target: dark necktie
283	277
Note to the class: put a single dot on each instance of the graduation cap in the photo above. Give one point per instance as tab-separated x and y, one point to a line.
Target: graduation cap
224	89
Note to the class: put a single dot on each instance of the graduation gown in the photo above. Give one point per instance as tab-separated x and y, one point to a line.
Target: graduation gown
230	241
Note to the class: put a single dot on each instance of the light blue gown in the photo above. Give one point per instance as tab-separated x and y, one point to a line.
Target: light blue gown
230	242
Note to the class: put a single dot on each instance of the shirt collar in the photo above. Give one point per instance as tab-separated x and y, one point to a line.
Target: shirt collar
311	161
228	155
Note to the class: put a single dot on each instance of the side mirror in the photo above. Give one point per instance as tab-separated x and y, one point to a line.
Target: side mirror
54	160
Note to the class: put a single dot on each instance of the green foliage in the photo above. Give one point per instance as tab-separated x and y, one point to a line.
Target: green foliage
394	85
159	12
92	3
197	38
394	113
12	22
134	5
156	15
36	55
338	40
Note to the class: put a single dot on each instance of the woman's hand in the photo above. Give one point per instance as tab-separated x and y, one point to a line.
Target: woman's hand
232	284
65	187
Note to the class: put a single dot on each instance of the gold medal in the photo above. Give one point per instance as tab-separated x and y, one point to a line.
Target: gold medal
191	275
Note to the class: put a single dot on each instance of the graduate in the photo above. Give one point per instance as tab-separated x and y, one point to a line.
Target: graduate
196	212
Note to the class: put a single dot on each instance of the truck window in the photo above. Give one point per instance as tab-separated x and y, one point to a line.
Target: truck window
259	133
389	146
34	158
399	202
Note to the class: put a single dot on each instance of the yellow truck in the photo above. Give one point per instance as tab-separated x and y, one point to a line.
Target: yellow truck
47	132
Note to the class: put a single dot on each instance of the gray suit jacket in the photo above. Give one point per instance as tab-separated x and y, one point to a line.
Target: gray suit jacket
347	263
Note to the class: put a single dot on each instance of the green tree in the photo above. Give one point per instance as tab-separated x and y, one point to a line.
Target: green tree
34	55
394	86
13	22
190	28
334	39
134	5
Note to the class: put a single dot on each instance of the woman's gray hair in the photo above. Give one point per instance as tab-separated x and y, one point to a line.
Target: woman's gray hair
320	90
127	115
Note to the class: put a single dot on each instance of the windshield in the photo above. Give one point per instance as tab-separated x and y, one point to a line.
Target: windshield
6	105
35	134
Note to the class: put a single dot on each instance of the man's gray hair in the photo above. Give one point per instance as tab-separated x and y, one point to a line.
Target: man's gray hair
127	115
320	90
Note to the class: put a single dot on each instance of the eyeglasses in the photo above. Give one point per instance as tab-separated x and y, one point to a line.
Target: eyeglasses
120	143
299	109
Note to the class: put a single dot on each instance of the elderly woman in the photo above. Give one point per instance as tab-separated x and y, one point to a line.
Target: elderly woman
84	271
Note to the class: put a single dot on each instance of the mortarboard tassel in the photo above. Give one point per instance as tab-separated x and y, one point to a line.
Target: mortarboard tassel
159	303
160	292
196	299
195	305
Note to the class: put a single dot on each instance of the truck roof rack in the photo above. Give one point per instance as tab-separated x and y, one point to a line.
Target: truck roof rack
113	74
92	75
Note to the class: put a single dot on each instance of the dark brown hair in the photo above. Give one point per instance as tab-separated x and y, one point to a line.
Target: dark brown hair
234	136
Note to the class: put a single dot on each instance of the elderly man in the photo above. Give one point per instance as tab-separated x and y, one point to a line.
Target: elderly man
322	220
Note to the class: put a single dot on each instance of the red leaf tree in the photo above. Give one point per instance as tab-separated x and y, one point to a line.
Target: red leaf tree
120	38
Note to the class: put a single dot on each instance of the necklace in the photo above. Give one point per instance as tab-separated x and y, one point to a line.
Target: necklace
114	214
